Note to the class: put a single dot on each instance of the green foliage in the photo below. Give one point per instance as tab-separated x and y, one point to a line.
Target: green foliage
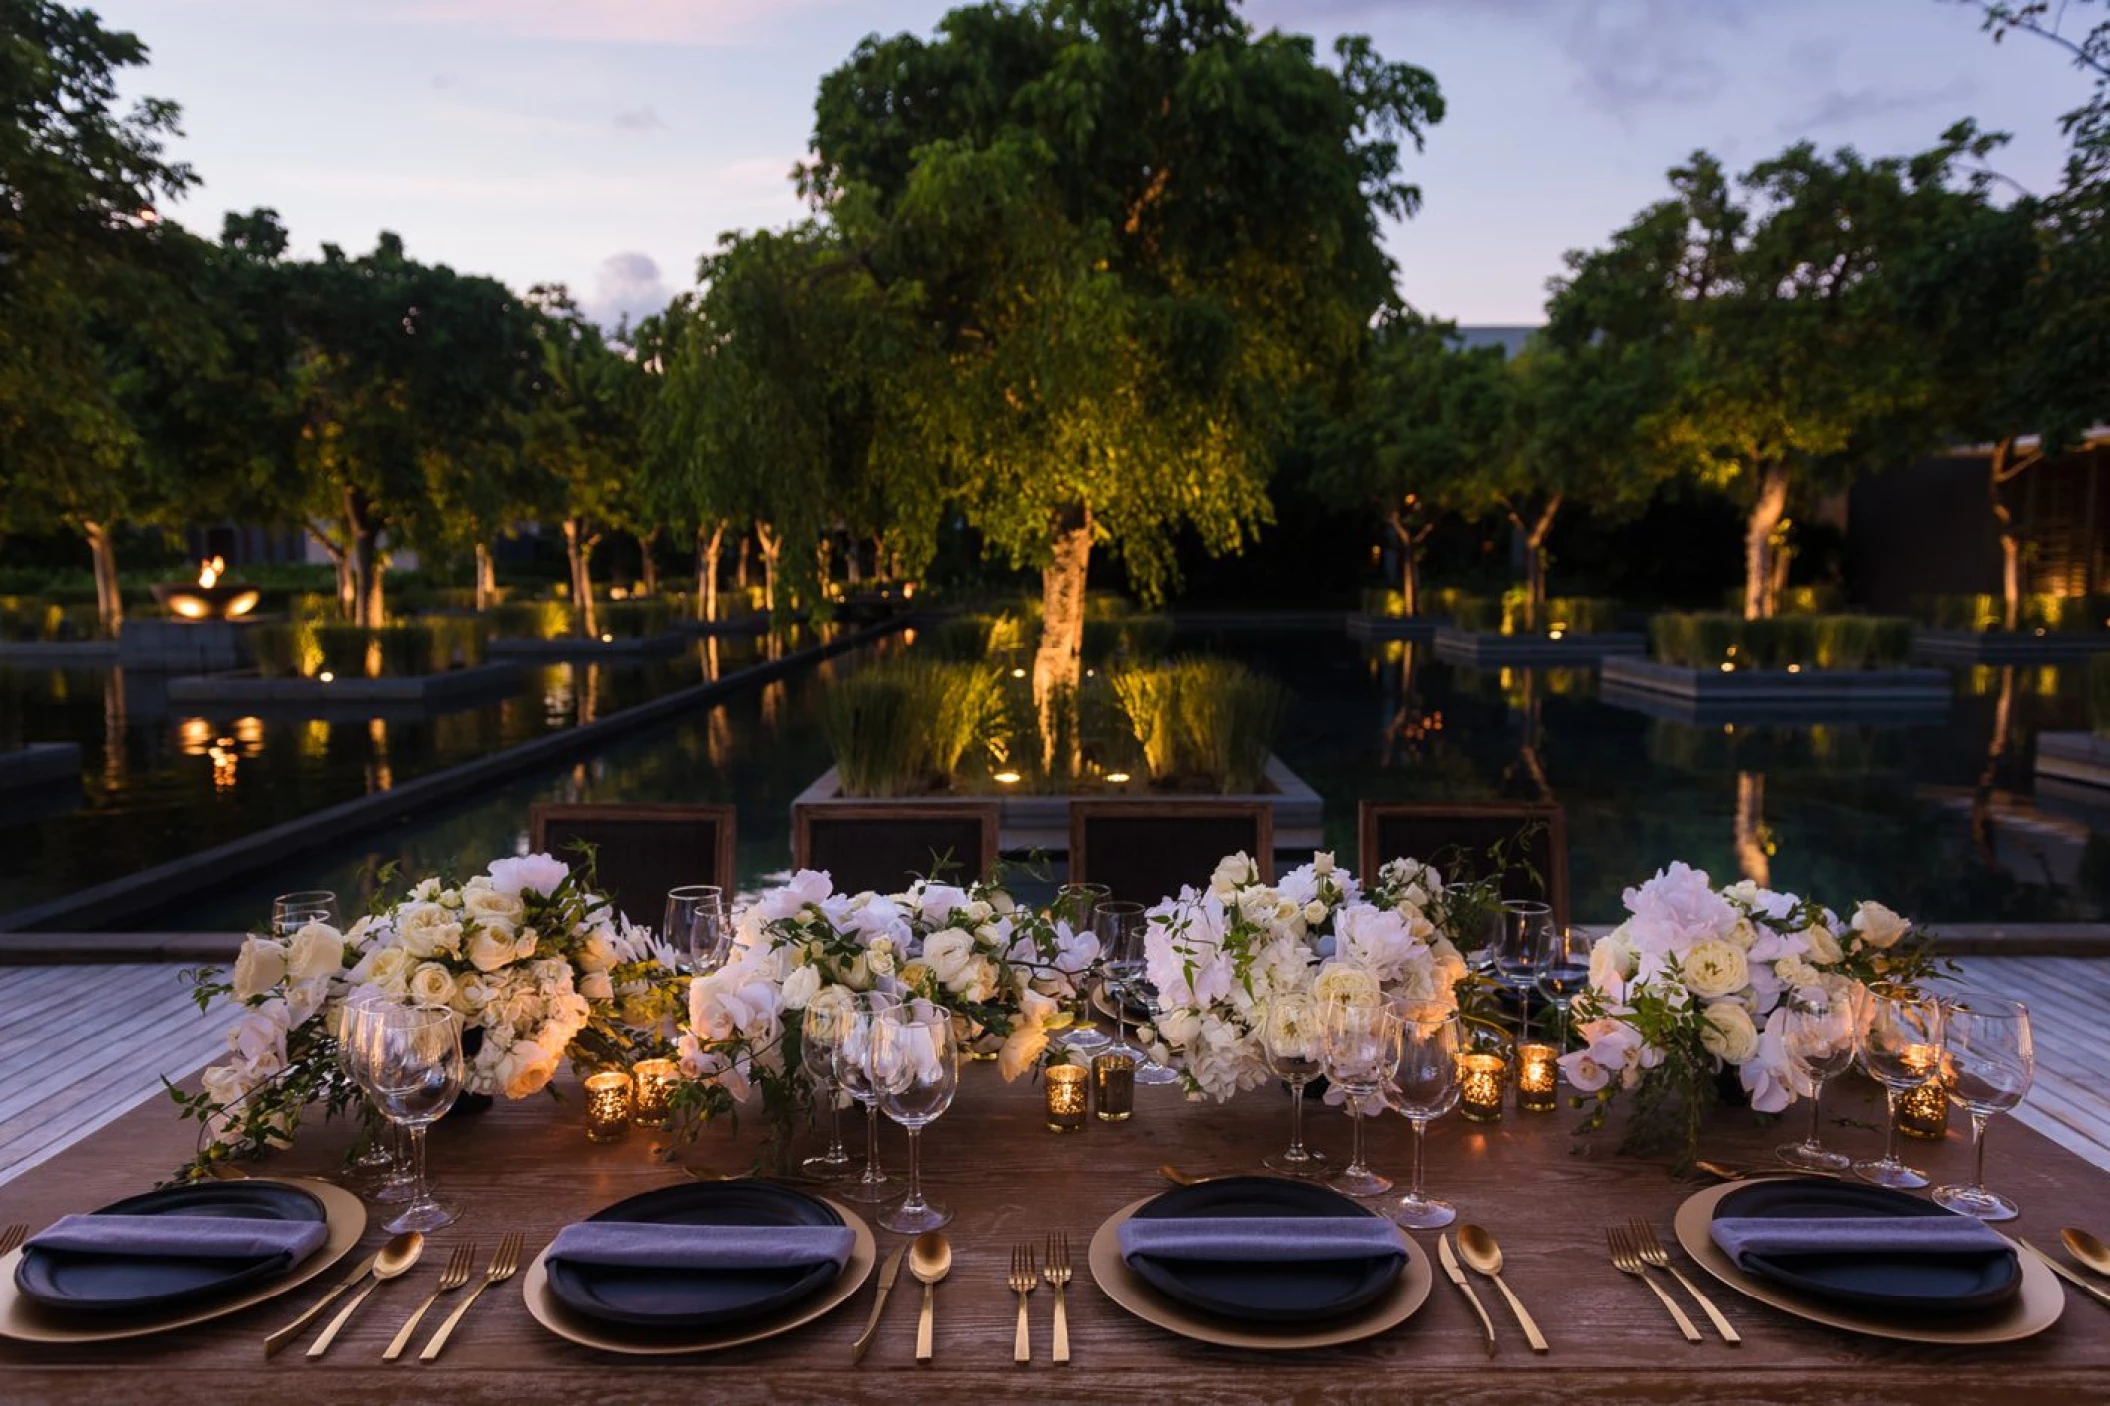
906	726
1708	640
25	619
306	648
2041	610
1202	717
1507	614
1109	635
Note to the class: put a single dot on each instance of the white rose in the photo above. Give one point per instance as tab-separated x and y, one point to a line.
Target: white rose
390	969
491	949
1728	1032
595	986
1612	960
880	956
946	953
1878	926
431	985
799	988
1345	984
1322	862
259	968
317	952
1233	872
1824	946
597	953
492	908
1744	934
525	1069
1315	912
1716	968
426	929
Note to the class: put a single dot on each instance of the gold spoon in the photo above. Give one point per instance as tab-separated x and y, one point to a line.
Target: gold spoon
929	1260
1478	1249
396	1257
2087	1249
1177	1177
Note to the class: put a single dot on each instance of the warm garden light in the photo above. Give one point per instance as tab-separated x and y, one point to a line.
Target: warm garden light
1006	778
1118	778
1018	673
326	676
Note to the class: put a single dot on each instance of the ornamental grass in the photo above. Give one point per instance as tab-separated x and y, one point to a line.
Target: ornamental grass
1711	639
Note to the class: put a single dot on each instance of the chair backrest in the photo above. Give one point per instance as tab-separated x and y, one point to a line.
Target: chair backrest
1457	837
641	851
886	846
1147	850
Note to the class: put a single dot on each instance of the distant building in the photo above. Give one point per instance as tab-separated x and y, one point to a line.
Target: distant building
1510	339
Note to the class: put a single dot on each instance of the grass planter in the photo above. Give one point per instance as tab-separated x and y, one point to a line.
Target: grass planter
1472	647
305	697
1767	695
2008	646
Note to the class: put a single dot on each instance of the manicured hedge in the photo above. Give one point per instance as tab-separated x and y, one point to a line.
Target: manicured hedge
1709	640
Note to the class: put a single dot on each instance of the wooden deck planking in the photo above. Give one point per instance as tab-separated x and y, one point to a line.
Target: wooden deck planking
2069	1009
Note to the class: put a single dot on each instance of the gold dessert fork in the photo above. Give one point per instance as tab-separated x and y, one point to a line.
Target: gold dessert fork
452	1277
1057	1273
1652	1252
1022	1281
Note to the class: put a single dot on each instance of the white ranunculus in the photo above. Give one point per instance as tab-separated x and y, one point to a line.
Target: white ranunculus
492	908
259	968
491	949
317	951
431	984
1728	1032
534	873
800	987
1715	968
524	1069
1878	926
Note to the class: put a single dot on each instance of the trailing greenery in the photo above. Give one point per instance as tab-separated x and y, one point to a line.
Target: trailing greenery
2040	611
1202	717
307	648
1506	614
906	726
1709	640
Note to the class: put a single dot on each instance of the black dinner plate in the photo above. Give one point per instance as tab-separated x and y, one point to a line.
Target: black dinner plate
1954	1283
111	1284
1277	1292
682	1298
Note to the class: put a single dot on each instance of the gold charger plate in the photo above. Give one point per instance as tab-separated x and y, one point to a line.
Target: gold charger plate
1126	1288
613	1337
27	1321
2035	1307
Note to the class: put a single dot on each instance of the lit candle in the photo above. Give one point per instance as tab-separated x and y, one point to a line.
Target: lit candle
607	1106
1538	1078
1068	1095
1115	1078
1480	1080
656	1079
1923	1111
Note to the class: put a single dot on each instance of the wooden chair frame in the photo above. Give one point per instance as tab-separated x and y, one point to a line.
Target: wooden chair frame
988	813
1369	815
727	874
1083	813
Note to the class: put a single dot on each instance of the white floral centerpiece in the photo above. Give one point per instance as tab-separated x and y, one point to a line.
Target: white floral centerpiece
1700	980
536	963
1216	955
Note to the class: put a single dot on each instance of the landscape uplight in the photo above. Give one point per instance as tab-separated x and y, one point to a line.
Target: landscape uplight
1118	778
326	676
1006	778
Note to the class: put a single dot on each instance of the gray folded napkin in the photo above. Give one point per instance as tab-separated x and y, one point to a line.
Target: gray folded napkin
1261	1239
608	1244
1820	1235
182	1237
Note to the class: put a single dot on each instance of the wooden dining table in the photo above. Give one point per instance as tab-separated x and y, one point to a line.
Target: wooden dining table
1544	1191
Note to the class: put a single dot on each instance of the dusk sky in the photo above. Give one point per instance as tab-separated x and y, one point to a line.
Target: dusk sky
607	143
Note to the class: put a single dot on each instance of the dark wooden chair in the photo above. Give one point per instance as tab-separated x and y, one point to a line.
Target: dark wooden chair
1147	850
641	851
1457	837
884	847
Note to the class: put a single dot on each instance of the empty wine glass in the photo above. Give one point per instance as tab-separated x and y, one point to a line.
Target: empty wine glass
382	1170
1361	1041
914	1066
1476	926
1111	922
1128	978
1431	1042
1897	1042
1078	906
1516	965
852	1045
820	1032
1818	1036
290	912
409	1060
1294	1047
1561	971
695	926
1988	1064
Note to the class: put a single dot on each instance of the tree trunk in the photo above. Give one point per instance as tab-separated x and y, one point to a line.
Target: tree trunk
708	549
486	578
362	534
1766	512
771	545
109	597
879	567
824	562
347	584
1751	854
1535	564
740	570
1777	571
648	568
1058	662
2003	468
578	554
853	559
1982	835
1409	566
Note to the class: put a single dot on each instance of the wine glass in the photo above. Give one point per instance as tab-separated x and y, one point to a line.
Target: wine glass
1361	1040
1819	1038
695	925
1988	1063
1111	922
1128	975
382	1170
914	1067
1561	971
1294	1047
852	1046
1516	960
1477	927
409	1060
820	1032
1897	1042
290	912
1431	1042
1078	906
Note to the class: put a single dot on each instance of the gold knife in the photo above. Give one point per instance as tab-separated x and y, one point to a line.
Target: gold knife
1456	1273
2066	1274
286	1334
887	1275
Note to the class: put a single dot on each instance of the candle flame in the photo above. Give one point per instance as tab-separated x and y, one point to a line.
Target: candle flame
209	572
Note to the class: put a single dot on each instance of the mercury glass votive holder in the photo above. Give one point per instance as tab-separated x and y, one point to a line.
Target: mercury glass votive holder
607	1106
1538	1078
1923	1112
656	1079
1068	1090
1481	1079
1114	1080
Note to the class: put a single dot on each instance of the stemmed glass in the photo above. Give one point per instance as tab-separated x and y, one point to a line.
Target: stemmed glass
1431	1043
1897	1042
695	926
1110	924
1078	905
914	1066
1819	1038
382	1170
1516	960
852	1047
409	1060
1128	977
1361	1041
1988	1063
1560	971
290	912
820	1032
1478	928
1294	1047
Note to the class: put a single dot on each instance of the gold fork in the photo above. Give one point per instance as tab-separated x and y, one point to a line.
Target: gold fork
1628	1261
1057	1273
1652	1253
503	1266
12	1238
452	1277
1023	1278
